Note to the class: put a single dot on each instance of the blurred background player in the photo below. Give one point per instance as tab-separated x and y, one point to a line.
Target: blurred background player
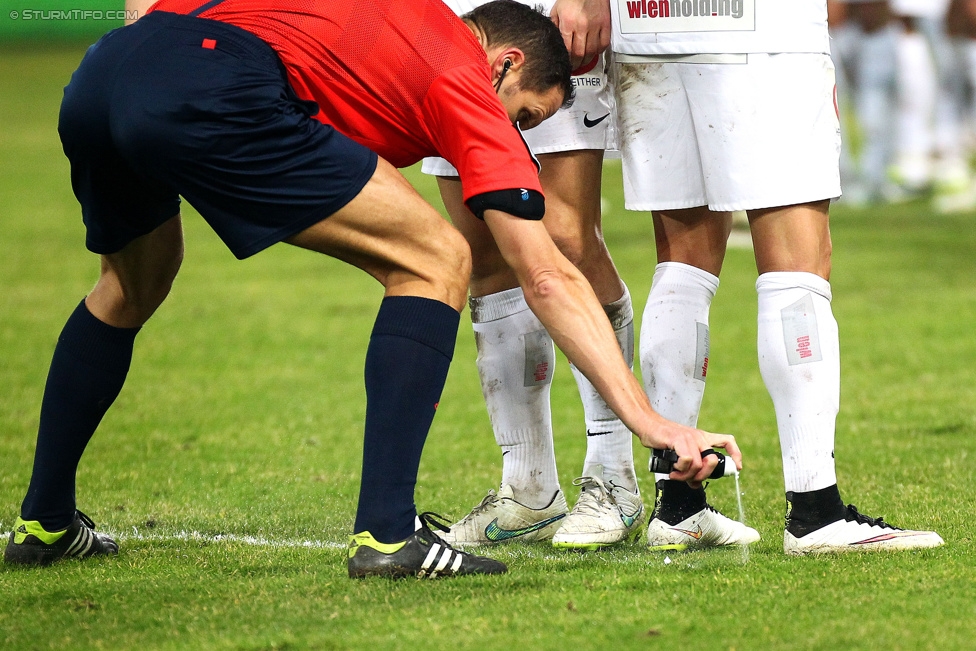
905	100
961	26
734	110
930	145
516	357
863	47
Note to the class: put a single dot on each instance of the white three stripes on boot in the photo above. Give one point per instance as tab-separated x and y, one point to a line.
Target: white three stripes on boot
82	542
444	561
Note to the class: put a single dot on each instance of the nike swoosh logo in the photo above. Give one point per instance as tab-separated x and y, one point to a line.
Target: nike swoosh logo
589	433
891	535
589	124
694	534
495	533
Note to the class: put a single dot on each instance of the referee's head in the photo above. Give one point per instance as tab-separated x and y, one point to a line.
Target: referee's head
506	23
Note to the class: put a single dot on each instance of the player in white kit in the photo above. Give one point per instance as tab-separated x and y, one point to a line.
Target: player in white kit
864	48
729	105
932	105
516	357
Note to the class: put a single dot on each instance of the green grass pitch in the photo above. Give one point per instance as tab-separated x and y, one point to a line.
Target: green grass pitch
229	466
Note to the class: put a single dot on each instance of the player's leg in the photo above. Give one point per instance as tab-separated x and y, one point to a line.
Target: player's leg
797	335
390	232
875	103
609	509
863	47
690	242
87	372
799	358
674	354
516	357
952	178
574	220
674	343
917	96
799	351
574	217
515	362
797	343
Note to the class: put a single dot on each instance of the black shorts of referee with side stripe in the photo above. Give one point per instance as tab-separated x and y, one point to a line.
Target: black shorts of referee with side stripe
176	105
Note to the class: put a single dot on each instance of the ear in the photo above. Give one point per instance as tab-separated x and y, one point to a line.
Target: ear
511	54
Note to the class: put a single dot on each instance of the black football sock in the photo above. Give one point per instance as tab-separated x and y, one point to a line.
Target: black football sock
87	372
676	500
811	510
409	354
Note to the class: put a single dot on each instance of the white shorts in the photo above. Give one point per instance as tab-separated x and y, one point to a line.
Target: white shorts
730	136
588	124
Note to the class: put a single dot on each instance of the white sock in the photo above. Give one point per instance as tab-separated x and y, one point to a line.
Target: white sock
799	358
516	359
674	341
608	441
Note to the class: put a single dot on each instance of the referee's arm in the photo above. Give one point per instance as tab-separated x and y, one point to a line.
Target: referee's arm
563	300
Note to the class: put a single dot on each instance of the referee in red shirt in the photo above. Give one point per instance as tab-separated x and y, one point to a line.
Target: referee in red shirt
283	121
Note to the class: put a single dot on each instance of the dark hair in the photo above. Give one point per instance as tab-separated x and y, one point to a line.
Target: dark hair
508	23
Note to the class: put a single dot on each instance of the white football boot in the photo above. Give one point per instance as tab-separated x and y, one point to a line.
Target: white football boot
499	518
857	532
707	528
605	515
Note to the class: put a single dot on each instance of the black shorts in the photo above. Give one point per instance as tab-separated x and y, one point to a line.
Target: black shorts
175	105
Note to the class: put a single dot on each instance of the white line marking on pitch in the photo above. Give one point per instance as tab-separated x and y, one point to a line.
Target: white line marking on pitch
196	536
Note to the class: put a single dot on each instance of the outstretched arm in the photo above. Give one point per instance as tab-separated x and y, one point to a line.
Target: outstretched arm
585	26
562	299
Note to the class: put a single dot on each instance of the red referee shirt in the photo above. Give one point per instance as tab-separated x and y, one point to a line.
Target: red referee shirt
406	79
